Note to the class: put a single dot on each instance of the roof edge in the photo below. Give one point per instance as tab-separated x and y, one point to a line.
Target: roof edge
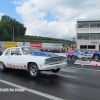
96	19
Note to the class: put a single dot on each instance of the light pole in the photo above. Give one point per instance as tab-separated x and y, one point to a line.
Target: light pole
13	33
73	39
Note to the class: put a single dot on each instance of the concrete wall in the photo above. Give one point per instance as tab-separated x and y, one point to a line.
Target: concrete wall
88	42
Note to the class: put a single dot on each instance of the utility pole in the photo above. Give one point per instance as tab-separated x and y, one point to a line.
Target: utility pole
13	33
73	39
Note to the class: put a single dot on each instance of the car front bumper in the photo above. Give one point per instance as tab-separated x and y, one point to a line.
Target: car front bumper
55	66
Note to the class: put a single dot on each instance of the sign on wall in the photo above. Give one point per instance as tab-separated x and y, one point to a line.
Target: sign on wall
66	45
47	45
38	45
23	44
97	42
57	45
10	44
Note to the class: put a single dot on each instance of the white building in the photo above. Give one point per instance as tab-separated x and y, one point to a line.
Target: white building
88	34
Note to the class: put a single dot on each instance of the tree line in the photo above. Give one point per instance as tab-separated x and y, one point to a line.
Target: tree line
6	28
6	33
39	39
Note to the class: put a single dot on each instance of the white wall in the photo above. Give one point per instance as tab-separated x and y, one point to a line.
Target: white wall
88	42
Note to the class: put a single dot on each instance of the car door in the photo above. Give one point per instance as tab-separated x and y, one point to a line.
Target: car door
88	54
15	60
81	53
6	57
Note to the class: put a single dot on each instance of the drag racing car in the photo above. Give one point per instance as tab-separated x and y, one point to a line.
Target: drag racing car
84	54
31	59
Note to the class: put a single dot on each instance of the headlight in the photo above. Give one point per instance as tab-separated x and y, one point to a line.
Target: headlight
46	61
64	58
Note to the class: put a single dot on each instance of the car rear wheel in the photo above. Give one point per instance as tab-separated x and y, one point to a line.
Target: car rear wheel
74	57
56	70
2	67
33	70
96	57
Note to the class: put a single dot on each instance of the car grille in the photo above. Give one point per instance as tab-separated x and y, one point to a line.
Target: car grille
55	60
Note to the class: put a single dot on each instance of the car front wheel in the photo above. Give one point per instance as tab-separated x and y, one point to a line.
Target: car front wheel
74	57
33	70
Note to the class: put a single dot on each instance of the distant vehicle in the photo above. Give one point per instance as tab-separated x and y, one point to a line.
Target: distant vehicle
93	50
70	51
31	59
84	53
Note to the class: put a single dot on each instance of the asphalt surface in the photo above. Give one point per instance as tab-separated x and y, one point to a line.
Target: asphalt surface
75	82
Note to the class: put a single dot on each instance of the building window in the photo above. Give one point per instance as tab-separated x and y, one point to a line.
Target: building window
92	37
98	37
80	37
86	37
86	25
80	25
91	46
98	25
83	46
89	25
92	25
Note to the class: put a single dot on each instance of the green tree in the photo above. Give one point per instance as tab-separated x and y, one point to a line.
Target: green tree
73	39
6	28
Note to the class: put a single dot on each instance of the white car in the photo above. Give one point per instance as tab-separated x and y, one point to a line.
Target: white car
31	59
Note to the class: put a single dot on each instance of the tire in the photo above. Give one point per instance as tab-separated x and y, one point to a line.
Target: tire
33	70
74	58
2	67
55	70
96	57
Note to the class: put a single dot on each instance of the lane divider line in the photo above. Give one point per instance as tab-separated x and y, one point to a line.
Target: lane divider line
32	91
83	69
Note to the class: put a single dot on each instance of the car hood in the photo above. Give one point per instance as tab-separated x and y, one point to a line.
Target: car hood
47	54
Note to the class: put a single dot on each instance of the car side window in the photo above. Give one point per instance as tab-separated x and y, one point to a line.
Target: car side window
82	51
15	51
7	52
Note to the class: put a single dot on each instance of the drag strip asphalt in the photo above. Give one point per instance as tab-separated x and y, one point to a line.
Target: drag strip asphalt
75	82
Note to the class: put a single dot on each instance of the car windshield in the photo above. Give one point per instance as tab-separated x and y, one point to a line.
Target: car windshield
84	51
89	50
28	50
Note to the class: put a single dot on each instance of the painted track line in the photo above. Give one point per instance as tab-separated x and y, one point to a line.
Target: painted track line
32	91
83	69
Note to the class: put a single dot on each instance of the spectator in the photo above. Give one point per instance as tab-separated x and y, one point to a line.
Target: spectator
67	49
0	51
